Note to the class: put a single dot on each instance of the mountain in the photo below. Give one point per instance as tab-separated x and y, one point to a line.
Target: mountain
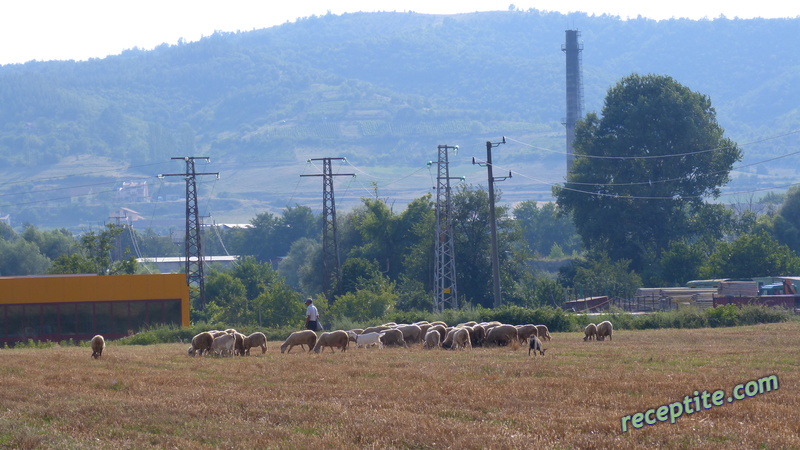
382	90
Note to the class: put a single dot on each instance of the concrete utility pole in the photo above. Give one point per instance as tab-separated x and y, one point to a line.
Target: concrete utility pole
498	300
195	277
445	292
330	246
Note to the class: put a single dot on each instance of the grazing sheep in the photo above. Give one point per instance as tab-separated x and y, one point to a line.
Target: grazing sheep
423	328
201	342
98	345
377	329
439	329
543	332
301	338
461	339
393	336
590	331
365	339
502	335
526	331
439	322
536	346
257	339
217	334
432	340
338	338
411	333
223	345
447	342
238	345
604	329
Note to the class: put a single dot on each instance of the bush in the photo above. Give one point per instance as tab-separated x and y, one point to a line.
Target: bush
723	316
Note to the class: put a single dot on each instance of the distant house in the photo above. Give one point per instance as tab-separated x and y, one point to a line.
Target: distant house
133	191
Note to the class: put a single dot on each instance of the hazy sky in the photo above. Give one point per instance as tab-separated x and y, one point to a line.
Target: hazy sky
82	29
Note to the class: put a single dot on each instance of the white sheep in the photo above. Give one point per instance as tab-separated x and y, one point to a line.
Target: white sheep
503	335
257	339
365	339
338	338
201	342
526	331
604	329
590	332
461	339
98	345
301	338
543	332
223	345
432	339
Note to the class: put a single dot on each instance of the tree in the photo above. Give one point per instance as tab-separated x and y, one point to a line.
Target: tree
471	233
94	255
544	227
643	169
749	256
601	276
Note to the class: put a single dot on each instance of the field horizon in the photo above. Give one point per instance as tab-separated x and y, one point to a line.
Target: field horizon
573	397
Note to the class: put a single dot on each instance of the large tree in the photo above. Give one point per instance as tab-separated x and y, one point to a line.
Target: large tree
643	169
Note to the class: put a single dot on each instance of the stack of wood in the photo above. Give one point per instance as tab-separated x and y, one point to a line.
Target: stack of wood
738	289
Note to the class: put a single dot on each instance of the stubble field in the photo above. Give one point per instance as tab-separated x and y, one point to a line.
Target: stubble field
573	397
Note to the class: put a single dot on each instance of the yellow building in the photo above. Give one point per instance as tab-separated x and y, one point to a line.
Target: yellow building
61	307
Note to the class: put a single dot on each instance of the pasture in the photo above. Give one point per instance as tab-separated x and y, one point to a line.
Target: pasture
574	397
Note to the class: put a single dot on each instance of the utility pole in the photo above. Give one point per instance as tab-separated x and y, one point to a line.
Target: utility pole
330	245
498	300
445	292
194	250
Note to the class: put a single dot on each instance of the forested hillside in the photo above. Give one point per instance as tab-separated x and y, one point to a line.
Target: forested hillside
383	90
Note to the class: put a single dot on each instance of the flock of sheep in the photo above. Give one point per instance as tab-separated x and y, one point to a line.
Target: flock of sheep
430	334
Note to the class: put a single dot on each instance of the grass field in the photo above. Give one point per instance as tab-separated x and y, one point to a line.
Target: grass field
573	397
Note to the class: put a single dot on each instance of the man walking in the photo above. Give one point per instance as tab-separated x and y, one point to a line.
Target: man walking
312	316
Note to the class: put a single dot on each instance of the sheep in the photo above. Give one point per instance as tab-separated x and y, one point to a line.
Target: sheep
338	338
461	339
535	345
238	345
301	338
439	329
217	334
543	332
377	329
477	335
439	322
411	333
604	329
393	336
98	344
447	342
432	340
201	342
423	328
590	331
365	339
502	335
526	331
223	345
257	339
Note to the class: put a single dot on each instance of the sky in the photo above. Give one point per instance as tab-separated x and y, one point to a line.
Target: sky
81	29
